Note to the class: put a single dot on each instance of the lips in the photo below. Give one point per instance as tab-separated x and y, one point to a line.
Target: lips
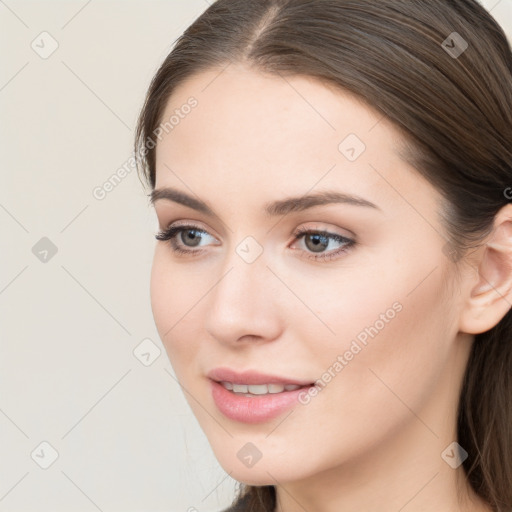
253	397
246	408
252	377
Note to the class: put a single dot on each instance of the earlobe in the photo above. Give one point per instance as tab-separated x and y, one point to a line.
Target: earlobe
490	297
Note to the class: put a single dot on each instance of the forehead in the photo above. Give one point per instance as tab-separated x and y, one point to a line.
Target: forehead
267	114
248	128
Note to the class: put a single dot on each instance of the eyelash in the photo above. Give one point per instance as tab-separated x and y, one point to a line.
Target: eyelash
170	234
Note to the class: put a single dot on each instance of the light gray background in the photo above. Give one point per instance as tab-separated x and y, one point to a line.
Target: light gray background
125	437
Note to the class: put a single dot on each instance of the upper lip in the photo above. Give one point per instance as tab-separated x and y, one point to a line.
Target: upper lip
252	377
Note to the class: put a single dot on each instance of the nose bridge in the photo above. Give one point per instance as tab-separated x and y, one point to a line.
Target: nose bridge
243	301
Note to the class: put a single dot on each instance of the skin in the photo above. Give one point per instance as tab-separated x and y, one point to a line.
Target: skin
372	439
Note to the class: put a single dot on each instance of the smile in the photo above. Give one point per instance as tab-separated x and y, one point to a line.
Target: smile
258	389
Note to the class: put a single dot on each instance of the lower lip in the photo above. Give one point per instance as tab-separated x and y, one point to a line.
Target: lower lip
257	409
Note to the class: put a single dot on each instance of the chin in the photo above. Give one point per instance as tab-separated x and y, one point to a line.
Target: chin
266	471
260	475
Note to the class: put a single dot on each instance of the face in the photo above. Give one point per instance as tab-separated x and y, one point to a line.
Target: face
349	292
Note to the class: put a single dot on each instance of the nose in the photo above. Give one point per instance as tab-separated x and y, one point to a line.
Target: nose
243	307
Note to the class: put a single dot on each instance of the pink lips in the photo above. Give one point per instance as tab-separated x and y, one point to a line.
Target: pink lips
252	409
251	377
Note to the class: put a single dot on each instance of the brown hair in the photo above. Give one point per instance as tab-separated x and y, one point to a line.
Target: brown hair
454	108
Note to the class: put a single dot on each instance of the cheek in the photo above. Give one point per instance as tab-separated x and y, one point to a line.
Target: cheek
171	297
382	297
369	397
385	316
393	340
160	284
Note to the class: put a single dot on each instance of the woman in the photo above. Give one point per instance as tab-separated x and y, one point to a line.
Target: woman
333	276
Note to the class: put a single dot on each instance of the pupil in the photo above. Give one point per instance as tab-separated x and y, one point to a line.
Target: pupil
192	236
320	242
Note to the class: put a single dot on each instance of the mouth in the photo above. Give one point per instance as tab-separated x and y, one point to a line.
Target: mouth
253	379
251	390
253	397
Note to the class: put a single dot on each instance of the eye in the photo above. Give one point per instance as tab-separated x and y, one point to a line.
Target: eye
185	239
188	235
318	241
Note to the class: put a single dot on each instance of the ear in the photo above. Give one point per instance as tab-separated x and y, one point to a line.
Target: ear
490	292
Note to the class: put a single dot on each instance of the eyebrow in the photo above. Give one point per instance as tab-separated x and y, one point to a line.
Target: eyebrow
275	208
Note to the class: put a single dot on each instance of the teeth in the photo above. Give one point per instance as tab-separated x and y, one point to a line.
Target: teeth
259	389
275	388
240	388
